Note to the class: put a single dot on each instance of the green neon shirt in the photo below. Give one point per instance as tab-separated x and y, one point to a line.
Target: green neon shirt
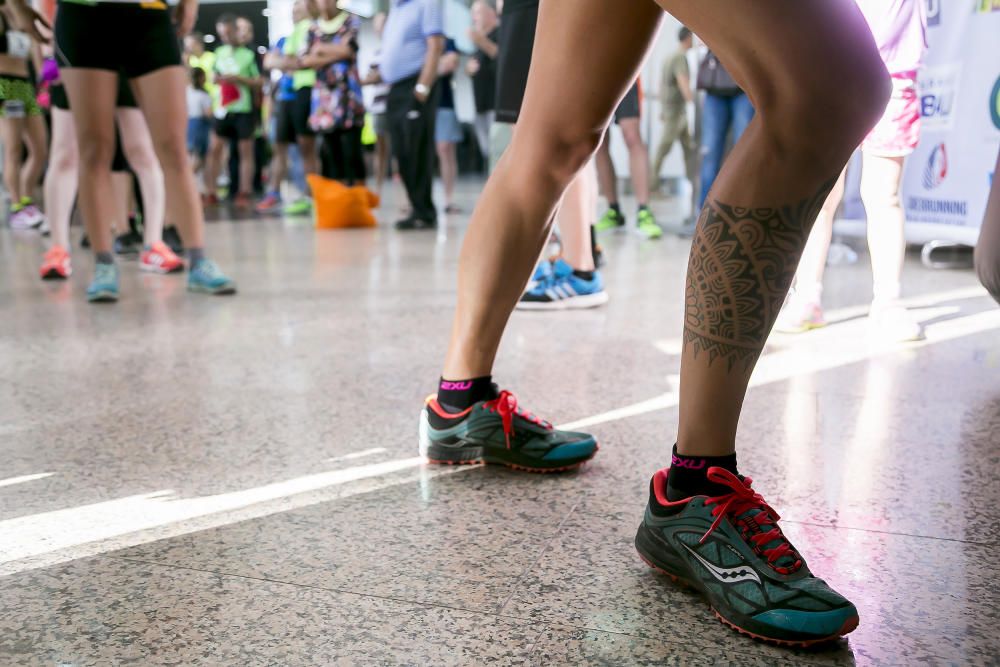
296	45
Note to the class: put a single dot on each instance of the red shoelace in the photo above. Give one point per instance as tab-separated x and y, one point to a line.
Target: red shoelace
743	499
506	406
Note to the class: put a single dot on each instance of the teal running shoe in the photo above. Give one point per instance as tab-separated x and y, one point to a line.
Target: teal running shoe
731	550
207	278
104	287
498	431
647	225
611	219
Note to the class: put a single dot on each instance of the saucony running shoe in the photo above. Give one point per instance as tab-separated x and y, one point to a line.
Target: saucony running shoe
731	550
498	431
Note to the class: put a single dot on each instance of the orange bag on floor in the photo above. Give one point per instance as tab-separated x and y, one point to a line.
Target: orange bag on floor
338	206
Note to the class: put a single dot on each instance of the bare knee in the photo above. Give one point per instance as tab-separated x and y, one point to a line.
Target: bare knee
96	149
633	139
172	153
562	152
876	195
817	122
63	158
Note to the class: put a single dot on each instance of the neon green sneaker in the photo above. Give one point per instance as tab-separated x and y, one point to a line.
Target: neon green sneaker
497	431
299	207
730	549
647	225
611	219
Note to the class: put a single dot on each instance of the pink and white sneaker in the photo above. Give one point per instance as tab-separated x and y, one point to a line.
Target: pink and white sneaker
34	215
160	259
23	219
800	315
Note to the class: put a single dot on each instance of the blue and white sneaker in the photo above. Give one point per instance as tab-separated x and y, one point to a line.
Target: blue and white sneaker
546	269
104	287
207	278
564	290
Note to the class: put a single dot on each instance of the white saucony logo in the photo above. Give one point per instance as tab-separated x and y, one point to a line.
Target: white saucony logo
727	575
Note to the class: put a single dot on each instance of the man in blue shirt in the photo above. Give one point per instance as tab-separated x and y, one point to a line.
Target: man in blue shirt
412	43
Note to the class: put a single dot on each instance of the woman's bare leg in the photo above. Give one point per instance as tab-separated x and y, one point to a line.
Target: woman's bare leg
92	95
812	266
161	98
511	222
11	134
137	144
881	178
638	159
37	140
448	163
607	177
575	215
757	218
61	177
121	197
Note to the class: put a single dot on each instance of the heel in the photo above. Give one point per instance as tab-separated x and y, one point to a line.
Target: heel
456	455
652	554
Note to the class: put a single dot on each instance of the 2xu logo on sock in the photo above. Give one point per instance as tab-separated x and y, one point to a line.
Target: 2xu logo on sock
456	386
690	464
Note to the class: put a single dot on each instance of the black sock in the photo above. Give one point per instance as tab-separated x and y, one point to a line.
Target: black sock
457	395
689	475
584	275
614	207
643	207
104	258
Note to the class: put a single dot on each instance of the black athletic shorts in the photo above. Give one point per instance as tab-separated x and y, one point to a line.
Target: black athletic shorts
517	38
235	126
126	99
293	117
128	37
629	106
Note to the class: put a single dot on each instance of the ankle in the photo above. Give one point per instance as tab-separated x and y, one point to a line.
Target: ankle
455	396
689	475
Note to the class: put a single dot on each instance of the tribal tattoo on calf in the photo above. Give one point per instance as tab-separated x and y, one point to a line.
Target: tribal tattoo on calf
742	263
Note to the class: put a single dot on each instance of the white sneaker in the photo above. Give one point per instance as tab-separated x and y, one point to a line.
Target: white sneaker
892	322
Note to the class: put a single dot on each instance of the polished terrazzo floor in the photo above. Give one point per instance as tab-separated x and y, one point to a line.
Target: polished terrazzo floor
187	480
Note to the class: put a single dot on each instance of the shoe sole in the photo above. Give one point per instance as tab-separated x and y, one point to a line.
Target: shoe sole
802	329
53	274
103	297
573	303
849	625
149	268
224	291
475	456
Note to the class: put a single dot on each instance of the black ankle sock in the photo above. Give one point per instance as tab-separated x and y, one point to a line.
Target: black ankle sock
614	207
104	258
689	475
643	207
457	395
584	275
